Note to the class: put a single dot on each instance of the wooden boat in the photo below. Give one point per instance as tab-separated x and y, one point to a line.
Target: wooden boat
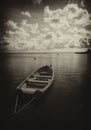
40	80
36	83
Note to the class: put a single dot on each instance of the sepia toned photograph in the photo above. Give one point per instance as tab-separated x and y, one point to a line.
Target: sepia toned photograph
45	64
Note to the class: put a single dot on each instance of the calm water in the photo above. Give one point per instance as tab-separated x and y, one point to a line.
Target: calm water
67	103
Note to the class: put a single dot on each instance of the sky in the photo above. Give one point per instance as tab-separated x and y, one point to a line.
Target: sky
44	24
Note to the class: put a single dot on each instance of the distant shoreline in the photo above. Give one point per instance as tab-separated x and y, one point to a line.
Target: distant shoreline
64	50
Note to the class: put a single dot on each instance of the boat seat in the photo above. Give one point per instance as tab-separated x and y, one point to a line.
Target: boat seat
44	76
37	81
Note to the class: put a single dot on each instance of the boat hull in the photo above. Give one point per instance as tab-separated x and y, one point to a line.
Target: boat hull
39	81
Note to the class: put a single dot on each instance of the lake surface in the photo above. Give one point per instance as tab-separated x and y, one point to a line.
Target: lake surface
67	103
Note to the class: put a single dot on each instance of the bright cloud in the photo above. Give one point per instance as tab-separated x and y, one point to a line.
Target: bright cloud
30	28
70	22
71	14
62	28
26	14
22	37
11	24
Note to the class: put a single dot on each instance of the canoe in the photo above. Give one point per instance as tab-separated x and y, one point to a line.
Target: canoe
35	84
39	81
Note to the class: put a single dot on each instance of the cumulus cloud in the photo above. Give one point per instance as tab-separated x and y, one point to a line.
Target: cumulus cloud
37	1
21	37
71	14
82	3
11	24
62	28
33	28
46	29
70	22
26	13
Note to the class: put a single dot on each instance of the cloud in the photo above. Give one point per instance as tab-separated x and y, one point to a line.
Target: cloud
69	15
70	22
26	14
82	3
22	37
46	29
11	24
61	28
30	28
37	1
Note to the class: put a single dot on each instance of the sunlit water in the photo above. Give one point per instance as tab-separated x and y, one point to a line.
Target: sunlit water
65	105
